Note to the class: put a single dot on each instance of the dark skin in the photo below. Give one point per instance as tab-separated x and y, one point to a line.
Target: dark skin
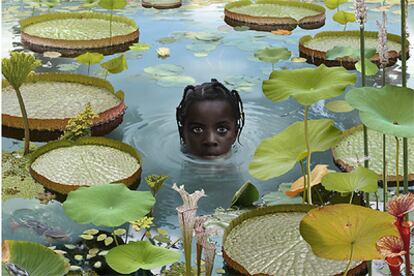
209	130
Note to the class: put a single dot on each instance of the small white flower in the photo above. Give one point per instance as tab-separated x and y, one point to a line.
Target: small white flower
163	52
360	11
382	48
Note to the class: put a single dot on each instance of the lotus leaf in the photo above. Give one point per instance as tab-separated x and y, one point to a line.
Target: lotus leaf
245	196
130	257
334	231
139	47
112	4
278	154
339	106
333	4
273	55
343	17
340	51
116	65
370	68
361	179
34	258
89	58
108	204
307	85
387	109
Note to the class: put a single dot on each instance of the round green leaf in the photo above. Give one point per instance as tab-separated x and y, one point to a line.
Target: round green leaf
370	68
388	109
333	4
89	58
112	4
245	196
36	259
308	85
107	204
339	106
273	55
278	154
116	65
343	17
332	231
361	179
130	257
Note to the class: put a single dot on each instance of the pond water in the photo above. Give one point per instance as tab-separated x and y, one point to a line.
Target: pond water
149	124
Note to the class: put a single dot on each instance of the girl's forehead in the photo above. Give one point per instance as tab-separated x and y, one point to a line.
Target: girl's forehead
211	108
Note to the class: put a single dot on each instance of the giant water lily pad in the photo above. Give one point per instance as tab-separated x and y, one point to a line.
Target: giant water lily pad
72	34
107	204
334	231
35	259
387	109
349	153
307	85
267	241
315	49
161	4
277	155
361	179
269	15
64	166
130	257
51	99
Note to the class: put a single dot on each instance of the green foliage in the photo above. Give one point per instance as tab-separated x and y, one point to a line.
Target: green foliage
273	55
116	65
245	196
343	17
112	4
139	47
107	204
89	58
361	179
339	106
130	257
80	126
16	68
333	4
155	182
278	154
340	51
371	68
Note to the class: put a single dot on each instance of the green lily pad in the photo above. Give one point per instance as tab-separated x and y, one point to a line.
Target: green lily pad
167	40
370	68
89	58
245	196
130	257
361	179
339	106
112	4
343	17
333	4
277	155
116	65
307	85
334	231
107	204
387	109
139	47
273	55
200	48
340	51
68	67
206	36
34	258
242	83
168	75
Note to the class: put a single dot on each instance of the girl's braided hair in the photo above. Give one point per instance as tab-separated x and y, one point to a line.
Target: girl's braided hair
213	90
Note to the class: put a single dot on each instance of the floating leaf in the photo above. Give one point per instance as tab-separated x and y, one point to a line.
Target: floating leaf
78	257
101	237
387	109
97	265
167	40
361	179
245	196
370	68
317	173
163	70
333	4
93	251
130	257
74	268
339	106
70	246
119	231
298	59
107	204
273	55
334	231
307	85
343	17
112	4
108	241
89	58
139	47
103	253
86	237
50	54
91	231
277	155
116	65
67	67
207	36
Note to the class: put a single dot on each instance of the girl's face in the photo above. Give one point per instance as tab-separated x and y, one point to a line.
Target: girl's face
209	129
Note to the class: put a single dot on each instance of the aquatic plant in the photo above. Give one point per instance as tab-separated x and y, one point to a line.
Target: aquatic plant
342	17
245	195
80	126
140	47
318	172
392	248
155	182
346	232
15	70
89	58
115	65
163	52
272	55
186	216
112	5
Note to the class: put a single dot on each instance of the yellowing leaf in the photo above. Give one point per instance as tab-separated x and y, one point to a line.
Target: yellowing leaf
101	237
316	175
116	65
108	241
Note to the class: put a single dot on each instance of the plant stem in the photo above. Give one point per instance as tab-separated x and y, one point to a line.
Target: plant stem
25	121
352	197
110	29
350	260
302	168
308	161
384	171
397	164
404	84
127	233
113	235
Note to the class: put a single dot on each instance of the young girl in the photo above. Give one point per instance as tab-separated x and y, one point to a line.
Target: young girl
210	118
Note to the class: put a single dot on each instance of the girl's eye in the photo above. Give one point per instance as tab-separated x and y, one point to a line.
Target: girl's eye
222	130
197	130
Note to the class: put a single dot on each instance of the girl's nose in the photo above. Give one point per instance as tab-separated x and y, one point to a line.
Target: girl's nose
210	139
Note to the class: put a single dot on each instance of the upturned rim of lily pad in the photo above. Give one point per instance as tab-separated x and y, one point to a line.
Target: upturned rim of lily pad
387	109
334	230
130	257
107	205
307	85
